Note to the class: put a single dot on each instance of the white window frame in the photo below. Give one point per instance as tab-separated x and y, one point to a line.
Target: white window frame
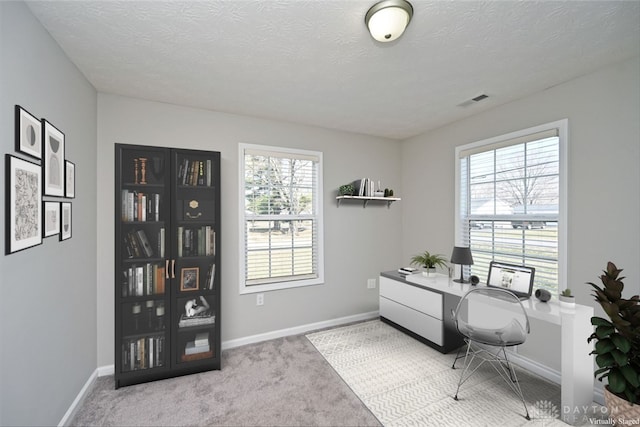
562	127
318	218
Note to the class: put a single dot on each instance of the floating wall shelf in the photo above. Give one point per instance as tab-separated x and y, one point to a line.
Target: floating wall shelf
365	199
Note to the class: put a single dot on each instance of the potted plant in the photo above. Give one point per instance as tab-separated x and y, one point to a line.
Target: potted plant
617	345
429	261
567	299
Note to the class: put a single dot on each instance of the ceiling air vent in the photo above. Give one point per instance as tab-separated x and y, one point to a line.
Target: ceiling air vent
473	100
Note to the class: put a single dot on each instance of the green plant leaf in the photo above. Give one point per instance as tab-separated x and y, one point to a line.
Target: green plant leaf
621	343
604	331
605	360
605	346
630	375
617	383
620	357
599	321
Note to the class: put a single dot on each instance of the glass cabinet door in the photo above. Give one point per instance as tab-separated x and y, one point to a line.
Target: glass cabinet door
196	238
142	267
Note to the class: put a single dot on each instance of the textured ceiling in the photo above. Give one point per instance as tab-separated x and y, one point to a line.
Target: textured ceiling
313	62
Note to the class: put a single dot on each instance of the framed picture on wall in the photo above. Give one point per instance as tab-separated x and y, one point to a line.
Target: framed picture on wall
69	179
65	220
53	160
23	228
51	218
28	133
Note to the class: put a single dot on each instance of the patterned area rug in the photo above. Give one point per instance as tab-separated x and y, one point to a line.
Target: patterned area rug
405	383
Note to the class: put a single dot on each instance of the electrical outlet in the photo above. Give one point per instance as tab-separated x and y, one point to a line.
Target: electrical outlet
260	299
371	283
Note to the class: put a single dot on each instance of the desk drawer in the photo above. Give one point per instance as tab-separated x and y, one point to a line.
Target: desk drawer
417	298
415	321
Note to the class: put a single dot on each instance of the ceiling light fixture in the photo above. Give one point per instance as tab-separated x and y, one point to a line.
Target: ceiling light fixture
388	19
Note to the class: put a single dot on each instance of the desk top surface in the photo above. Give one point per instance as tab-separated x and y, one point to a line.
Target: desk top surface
550	311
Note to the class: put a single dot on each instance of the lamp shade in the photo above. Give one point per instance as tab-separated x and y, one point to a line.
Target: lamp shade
461	256
388	19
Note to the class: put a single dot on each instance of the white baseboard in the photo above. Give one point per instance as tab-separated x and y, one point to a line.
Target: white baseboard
71	412
302	329
535	367
103	371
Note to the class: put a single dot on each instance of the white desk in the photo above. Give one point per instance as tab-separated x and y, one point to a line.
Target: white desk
576	365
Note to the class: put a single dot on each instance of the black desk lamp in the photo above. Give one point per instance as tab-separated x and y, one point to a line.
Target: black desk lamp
463	257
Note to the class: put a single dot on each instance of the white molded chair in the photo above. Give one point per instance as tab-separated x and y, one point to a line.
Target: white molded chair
491	319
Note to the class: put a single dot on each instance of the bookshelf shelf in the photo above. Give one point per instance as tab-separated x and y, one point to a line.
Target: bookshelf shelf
167	264
365	200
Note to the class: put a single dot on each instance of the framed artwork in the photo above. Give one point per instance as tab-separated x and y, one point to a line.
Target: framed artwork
189	279
51	218
69	179
23	203
28	133
53	160
65	220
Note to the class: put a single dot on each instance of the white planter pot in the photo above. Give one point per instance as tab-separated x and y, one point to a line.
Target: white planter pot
567	302
429	272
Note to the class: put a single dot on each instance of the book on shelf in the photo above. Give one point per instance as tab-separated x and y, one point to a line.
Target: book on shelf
143	353
146	245
211	277
192	348
143	280
195	173
139	206
137	245
204	318
196	241
201	339
197	356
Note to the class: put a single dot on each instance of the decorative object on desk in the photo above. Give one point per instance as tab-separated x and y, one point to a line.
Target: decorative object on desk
462	256
543	295
474	280
28	133
23	205
407	270
617	347
566	299
346	190
429	262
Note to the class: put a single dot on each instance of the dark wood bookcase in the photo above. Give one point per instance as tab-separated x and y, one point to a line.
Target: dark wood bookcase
167	263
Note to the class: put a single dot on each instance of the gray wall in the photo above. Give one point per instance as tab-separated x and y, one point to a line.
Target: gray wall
47	293
359	243
603	109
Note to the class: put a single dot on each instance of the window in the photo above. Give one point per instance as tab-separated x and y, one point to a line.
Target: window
511	202
281	224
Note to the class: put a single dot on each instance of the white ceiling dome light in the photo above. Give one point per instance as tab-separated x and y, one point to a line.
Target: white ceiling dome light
388	19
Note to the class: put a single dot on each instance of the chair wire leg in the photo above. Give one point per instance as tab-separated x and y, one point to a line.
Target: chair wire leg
510	377
457	357
467	363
